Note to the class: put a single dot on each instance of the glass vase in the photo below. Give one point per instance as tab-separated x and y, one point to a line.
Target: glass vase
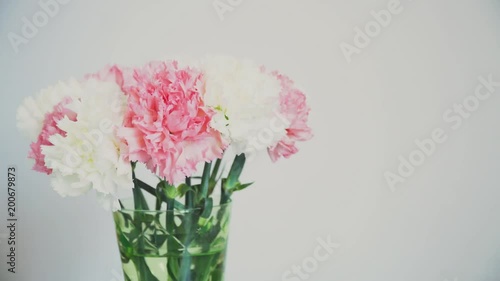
173	245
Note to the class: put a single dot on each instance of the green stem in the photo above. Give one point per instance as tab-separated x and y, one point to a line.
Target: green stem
140	204
225	196
146	187
158	204
205	180
172	266
216	169
185	270
170	217
133	164
213	177
189	195
139	200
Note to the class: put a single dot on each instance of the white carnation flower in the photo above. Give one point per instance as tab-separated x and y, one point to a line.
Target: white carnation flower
247	101
88	157
31	113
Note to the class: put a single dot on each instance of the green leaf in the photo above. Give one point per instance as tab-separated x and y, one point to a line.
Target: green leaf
145	186
169	190
173	269
139	199
206	225
179	206
235	171
197	194
207	209
225	194
126	247
158	240
143	270
204	267
183	188
240	186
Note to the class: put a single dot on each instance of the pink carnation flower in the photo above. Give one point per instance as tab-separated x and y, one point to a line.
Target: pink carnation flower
167	124
49	128
109	74
295	109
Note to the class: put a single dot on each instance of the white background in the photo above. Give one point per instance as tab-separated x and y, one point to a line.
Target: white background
442	223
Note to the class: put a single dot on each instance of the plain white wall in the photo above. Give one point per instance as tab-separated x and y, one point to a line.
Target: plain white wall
442	223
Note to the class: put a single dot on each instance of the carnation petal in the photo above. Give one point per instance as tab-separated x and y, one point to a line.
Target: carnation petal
167	124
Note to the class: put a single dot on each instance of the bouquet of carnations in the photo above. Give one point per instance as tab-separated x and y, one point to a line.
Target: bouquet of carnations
174	119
